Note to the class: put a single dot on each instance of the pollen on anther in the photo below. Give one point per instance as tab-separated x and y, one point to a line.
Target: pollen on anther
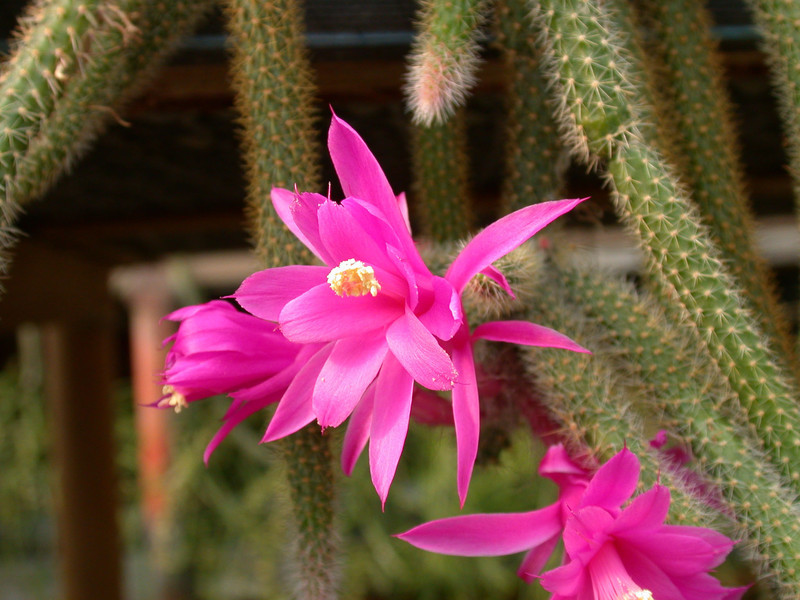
172	398
353	278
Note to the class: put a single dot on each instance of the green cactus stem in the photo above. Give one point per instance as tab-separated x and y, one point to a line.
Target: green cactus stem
274	95
675	378
778	22
535	164
690	82
598	97
444	57
441	186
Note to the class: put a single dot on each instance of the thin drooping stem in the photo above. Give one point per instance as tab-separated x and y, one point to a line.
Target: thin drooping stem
274	96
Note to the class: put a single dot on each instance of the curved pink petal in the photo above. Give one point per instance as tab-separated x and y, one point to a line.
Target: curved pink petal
646	512
585	531
402	204
420	354
319	315
357	431
292	205
466	414
614	482
346	233
294	410
503	236
350	368
486	534
390	415
497	276
536	559
567	580
526	334
265	293
445	314
649	575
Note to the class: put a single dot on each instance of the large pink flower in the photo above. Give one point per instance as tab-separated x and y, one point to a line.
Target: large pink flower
220	350
383	319
611	552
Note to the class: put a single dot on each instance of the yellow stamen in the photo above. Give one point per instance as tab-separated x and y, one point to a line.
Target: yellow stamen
353	278
173	398
640	595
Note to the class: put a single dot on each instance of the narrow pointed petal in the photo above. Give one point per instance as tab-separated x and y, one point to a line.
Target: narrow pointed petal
614	482
359	172
350	368
265	293
319	315
526	334
488	534
295	410
645	512
536	559
466	414
403	206
497	276
345	231
420	354
503	236
291	206
390	416
357	431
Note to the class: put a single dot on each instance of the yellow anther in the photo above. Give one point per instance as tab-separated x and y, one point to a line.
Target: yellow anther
353	278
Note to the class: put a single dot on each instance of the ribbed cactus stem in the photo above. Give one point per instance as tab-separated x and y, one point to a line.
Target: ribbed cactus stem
672	375
272	78
593	402
309	471
779	23
441	184
691	83
274	96
535	164
115	65
444	58
590	70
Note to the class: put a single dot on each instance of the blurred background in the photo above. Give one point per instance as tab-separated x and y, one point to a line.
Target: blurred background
152	219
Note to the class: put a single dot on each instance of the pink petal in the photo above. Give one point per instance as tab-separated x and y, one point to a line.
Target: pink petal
357	431
497	276
614	482
586	531
487	534
265	293
389	424
503	236
291	206
319	315
350	368
645	512
295	410
466	413
402	204
526	334
420	354
445	314
537	558
567	580
360	174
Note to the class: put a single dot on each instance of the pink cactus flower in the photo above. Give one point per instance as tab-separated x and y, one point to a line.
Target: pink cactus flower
611	552
382	318
220	350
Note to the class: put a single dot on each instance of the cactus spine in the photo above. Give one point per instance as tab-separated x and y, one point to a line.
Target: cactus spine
273	82
444	58
597	86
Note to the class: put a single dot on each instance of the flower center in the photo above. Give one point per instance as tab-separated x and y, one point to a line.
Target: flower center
172	398
610	579
353	278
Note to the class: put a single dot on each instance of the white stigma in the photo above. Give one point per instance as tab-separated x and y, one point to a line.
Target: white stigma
173	398
353	278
